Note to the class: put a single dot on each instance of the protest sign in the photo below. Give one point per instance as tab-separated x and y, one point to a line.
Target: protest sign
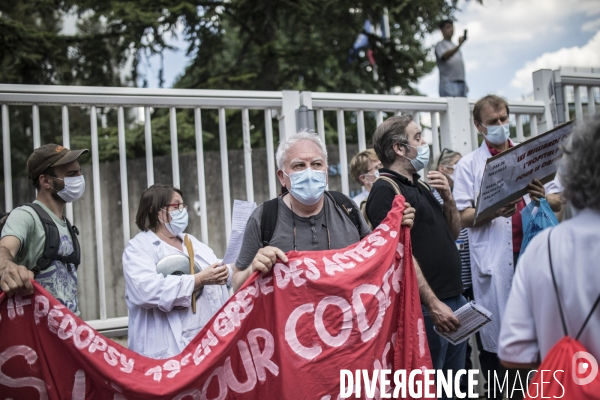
506	175
283	335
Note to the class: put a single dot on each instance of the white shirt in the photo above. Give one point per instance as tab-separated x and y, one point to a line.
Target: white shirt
531	324
361	196
490	245
156	329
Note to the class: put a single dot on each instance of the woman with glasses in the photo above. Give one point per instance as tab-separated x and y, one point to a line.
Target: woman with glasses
446	163
364	168
161	320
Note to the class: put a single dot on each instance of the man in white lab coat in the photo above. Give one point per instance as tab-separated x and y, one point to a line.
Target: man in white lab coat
495	242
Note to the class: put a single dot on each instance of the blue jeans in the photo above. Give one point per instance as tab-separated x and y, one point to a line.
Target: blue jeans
445	356
453	89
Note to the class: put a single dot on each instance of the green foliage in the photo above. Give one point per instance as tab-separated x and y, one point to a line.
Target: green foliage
306	44
234	44
35	50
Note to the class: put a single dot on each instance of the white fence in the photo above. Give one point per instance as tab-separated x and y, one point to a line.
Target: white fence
95	97
450	116
554	88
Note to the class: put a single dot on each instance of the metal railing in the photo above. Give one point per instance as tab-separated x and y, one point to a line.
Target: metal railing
95	97
360	103
580	81
450	116
553	88
523	112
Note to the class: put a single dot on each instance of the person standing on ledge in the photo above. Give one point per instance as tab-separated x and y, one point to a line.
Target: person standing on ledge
450	63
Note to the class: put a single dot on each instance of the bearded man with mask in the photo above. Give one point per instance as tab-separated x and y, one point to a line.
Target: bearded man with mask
56	175
308	217
494	242
403	152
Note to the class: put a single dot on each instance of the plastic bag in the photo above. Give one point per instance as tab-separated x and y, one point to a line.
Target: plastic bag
536	219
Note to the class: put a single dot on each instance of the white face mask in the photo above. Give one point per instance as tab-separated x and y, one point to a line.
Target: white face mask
497	134
74	188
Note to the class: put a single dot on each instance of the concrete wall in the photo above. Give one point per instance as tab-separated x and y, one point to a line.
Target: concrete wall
112	226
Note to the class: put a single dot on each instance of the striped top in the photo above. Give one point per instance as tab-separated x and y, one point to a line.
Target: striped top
462	243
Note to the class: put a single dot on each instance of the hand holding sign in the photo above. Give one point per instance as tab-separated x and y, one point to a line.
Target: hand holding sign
522	169
508	210
408	217
266	258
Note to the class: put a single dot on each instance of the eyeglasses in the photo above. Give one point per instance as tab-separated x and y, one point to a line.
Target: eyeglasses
176	206
445	150
375	168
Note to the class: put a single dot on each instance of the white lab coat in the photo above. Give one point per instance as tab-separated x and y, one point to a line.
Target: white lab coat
491	246
156	328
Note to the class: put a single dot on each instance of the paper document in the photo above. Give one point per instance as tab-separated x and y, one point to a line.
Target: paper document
241	213
506	175
472	318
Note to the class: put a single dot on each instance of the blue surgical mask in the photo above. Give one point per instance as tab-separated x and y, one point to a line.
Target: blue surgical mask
179	221
308	185
422	158
497	134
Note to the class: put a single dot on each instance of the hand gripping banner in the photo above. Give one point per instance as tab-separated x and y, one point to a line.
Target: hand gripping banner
283	335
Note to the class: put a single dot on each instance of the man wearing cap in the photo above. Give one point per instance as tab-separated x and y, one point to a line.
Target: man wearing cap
56	175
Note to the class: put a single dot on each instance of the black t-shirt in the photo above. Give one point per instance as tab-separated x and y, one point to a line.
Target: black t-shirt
432	242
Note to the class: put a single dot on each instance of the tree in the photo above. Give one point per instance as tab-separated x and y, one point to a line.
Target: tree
35	50
233	44
306	44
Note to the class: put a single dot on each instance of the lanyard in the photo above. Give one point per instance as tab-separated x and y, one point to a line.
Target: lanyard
326	227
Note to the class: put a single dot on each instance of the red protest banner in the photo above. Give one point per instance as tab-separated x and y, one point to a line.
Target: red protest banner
285	335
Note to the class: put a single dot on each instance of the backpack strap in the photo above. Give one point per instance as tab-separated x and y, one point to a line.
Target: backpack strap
348	206
75	257
391	182
268	221
588	317
363	204
562	317
52	242
426	185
